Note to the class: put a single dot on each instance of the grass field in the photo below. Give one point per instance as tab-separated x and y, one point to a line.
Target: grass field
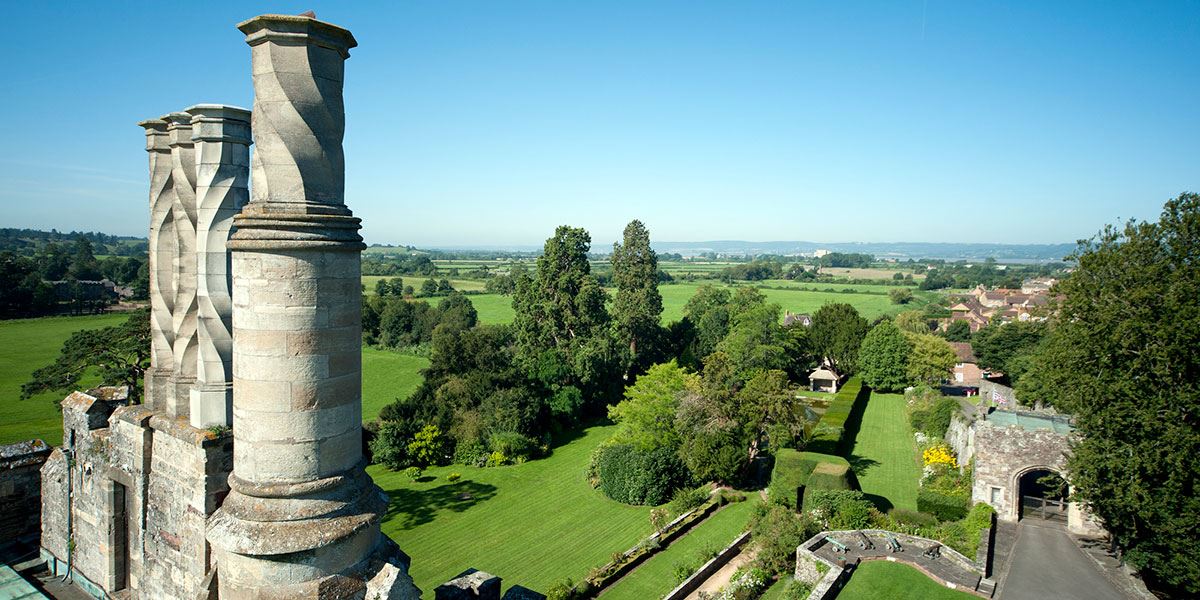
884	457
675	297
872	273
462	285
387	376
493	308
655	577
531	524
878	579
25	346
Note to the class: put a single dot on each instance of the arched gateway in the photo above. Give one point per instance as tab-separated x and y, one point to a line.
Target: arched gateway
1021	465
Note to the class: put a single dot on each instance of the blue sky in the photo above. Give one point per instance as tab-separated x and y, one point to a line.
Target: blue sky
489	123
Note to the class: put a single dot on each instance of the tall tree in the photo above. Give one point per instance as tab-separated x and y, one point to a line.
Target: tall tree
646	417
637	305
931	359
561	317
997	345
837	333
707	315
1122	358
883	358
119	354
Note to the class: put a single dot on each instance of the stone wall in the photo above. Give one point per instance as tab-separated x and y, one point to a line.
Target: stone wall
960	435
1003	454
21	490
133	490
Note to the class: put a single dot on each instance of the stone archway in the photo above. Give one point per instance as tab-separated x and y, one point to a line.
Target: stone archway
1038	496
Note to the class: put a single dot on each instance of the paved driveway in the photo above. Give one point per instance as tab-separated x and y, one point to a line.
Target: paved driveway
1046	563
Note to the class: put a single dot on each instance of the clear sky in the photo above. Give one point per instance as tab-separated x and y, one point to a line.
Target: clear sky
489	123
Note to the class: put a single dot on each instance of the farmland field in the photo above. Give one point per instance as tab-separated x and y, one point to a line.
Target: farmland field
531	524
675	296
25	346
462	285
853	273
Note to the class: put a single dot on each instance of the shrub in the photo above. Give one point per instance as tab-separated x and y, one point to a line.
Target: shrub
945	507
777	531
470	452
496	459
839	509
453	477
634	476
912	518
413	473
686	499
563	590
514	446
797	590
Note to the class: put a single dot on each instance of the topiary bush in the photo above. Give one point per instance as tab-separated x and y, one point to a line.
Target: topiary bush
627	474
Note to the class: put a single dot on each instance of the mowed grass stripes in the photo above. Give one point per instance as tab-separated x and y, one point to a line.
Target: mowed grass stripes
655	577
531	524
884	454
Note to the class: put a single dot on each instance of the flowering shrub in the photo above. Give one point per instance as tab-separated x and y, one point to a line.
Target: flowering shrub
744	585
940	454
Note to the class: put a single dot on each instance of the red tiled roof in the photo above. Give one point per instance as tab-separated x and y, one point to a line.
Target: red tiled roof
964	352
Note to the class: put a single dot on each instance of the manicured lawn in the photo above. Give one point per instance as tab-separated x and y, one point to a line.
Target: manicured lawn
387	376
879	579
655	577
25	346
884	454
531	524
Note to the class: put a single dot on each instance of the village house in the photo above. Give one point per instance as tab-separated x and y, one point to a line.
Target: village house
790	318
966	366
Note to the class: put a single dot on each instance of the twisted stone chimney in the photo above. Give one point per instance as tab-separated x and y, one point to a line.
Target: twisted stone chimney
302	517
161	265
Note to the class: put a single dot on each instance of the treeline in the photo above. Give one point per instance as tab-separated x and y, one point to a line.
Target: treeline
27	242
846	260
942	275
49	281
393	322
408	264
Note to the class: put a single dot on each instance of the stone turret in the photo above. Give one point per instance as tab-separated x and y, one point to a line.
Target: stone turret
302	517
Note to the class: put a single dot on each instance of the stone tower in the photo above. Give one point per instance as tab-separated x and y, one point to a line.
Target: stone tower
302	517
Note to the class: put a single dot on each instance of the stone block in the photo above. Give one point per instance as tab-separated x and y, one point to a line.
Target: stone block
472	584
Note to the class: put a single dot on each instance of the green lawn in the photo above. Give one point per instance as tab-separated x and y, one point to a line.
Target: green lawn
531	524
25	346
675	297
655	577
387	376
884	454
493	308
880	580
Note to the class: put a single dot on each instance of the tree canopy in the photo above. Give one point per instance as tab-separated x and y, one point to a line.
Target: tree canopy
120	354
883	359
837	333
637	305
1121	356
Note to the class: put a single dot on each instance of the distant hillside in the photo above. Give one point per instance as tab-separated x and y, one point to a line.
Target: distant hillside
882	250
29	241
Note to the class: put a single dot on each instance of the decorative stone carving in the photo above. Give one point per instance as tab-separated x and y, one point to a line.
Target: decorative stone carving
302	517
161	264
183	213
222	152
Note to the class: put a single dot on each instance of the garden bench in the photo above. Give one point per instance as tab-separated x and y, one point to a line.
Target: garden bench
934	551
894	544
838	546
865	542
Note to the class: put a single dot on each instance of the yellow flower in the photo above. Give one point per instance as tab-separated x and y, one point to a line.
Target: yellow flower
940	454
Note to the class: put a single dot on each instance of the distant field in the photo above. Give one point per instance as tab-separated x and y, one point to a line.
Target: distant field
868	273
25	346
387	376
675	297
462	285
493	308
530	524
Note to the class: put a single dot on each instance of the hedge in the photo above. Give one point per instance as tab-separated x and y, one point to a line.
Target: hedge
830	476
943	506
635	476
792	471
830	437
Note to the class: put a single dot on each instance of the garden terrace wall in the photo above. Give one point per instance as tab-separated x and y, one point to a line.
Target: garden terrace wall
21	491
702	574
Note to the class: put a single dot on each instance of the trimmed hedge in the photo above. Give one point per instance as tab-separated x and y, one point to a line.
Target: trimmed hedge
829	476
943	506
792	471
830	437
635	476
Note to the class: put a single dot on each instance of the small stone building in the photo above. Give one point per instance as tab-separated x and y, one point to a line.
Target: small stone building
20	493
1009	449
824	379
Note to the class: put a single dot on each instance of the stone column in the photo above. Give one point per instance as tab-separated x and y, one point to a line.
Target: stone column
302	517
161	265
222	151
183	314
